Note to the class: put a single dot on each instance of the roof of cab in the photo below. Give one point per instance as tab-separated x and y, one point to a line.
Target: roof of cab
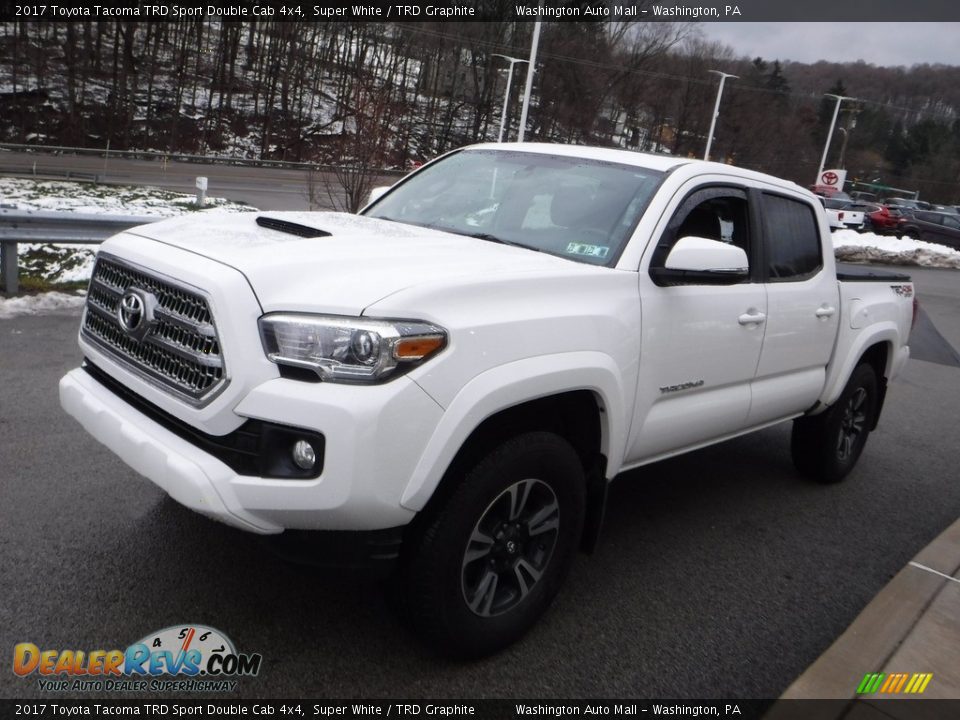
662	163
627	157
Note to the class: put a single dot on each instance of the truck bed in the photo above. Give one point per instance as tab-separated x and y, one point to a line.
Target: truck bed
858	273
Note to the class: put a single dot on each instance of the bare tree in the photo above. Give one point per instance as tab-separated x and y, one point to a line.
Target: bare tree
364	147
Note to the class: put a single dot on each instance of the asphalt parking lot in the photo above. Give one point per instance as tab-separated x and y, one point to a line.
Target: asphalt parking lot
719	574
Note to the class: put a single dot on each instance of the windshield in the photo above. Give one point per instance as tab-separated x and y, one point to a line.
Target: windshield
575	208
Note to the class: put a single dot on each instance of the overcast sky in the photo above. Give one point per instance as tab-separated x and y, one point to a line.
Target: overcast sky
887	44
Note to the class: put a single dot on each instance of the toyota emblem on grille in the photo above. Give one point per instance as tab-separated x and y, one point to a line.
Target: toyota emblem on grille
135	312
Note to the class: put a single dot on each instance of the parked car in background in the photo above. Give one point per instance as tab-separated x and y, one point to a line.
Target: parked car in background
908	204
883	220
935	227
864	196
843	214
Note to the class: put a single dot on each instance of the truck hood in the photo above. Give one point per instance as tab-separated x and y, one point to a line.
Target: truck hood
361	261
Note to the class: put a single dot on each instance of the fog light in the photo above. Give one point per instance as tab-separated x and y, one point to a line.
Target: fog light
304	455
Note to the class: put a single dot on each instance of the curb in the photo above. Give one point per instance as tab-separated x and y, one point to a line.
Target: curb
912	625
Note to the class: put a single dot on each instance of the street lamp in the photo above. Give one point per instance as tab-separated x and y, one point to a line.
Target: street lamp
833	122
506	96
716	108
843	146
531	68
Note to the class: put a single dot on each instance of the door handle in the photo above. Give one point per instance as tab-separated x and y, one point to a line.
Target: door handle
825	312
751	318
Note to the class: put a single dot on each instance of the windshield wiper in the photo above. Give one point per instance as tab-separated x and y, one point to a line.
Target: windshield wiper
478	235
500	240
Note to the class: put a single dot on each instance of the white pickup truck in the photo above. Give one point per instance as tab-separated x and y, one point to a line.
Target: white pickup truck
842	216
450	379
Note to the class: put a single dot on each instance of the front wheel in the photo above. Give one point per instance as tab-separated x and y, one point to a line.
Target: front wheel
826	447
489	560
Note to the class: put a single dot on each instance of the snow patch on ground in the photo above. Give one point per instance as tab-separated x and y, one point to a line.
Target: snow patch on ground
69	263
78	197
45	303
851	246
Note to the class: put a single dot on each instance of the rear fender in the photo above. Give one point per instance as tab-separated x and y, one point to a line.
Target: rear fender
839	373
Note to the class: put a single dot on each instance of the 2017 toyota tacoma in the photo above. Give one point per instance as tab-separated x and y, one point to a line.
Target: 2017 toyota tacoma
452	377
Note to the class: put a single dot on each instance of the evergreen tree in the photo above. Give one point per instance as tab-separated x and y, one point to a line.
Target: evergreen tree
776	80
898	152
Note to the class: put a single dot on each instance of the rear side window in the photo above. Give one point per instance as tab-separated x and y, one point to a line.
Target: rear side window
792	239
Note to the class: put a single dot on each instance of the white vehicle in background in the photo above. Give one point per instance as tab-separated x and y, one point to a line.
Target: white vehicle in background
841	216
452	378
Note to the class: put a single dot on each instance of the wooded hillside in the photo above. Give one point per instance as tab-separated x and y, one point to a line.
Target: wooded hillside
390	94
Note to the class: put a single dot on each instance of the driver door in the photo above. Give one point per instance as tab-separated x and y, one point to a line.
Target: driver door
700	343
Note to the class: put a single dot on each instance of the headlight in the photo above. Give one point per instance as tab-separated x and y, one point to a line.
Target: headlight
340	349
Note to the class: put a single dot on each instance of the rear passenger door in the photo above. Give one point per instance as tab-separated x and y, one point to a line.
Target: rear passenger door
803	309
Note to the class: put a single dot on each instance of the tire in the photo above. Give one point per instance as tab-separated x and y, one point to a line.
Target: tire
487	563
826	447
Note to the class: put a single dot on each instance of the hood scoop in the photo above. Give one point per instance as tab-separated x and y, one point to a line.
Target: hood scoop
291	228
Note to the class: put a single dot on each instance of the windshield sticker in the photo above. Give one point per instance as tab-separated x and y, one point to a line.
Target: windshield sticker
596	251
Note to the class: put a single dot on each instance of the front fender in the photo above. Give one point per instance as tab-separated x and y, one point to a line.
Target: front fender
511	385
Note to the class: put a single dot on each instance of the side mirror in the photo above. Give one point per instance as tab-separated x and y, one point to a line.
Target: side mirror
699	261
377	193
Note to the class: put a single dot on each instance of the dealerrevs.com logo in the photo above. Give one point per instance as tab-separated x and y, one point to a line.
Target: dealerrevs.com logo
189	657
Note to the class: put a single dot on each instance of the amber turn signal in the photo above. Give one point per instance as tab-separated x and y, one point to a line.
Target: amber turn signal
417	348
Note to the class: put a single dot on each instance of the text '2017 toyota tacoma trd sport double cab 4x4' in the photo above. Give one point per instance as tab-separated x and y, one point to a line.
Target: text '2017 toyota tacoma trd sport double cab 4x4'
452	377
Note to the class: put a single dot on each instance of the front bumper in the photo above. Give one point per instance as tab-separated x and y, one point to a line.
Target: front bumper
374	436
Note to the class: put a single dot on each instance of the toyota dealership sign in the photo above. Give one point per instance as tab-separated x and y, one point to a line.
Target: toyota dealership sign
830	181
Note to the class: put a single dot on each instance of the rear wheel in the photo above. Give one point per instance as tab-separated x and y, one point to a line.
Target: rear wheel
490	560
826	447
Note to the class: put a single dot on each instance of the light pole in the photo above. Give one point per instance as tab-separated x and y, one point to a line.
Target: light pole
716	109
843	146
506	96
833	122
531	68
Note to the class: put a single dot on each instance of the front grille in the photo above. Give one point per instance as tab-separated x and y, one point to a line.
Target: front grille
178	349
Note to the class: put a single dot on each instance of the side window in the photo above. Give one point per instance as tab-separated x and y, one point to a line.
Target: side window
951	222
792	239
715	213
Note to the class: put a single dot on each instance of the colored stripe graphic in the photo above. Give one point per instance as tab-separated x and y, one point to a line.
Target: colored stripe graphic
903	679
894	683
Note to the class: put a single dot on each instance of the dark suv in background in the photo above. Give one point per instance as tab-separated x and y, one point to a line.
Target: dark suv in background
936	227
905	204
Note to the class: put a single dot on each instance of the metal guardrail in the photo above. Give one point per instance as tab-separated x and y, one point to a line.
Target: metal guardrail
37	226
107	153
